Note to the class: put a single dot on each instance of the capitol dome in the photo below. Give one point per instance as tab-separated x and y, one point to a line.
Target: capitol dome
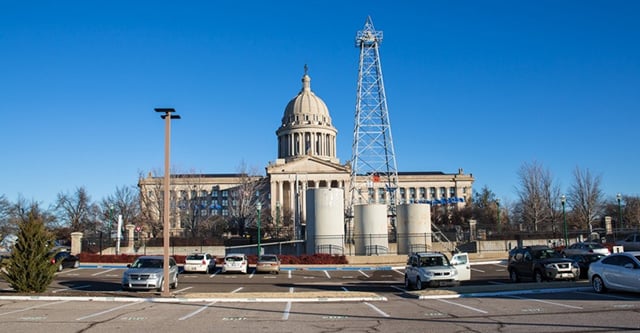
306	127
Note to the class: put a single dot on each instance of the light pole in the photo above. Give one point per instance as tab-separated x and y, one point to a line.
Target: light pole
498	206
277	218
167	116
258	208
564	217
110	219
619	197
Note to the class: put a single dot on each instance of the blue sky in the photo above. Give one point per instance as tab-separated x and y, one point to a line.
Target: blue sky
480	85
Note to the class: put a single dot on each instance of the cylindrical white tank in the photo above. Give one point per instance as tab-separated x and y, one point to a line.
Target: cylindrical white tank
370	229
413	227
325	220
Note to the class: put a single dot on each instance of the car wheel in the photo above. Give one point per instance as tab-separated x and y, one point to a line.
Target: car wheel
513	276
407	283
174	285
537	275
598	284
76	264
419	285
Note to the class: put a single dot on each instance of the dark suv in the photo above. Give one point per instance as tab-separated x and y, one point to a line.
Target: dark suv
541	263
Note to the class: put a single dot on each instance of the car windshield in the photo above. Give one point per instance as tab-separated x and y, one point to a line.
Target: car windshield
433	261
268	258
547	253
195	257
147	263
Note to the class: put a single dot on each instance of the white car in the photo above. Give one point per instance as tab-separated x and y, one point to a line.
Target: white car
434	269
200	262
618	271
235	262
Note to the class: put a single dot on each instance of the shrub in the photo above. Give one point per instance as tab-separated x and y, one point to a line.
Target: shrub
29	268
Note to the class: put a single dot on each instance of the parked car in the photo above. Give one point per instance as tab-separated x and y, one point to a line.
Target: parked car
541	263
200	262
64	259
235	262
630	243
268	263
619	271
584	261
433	269
585	248
147	272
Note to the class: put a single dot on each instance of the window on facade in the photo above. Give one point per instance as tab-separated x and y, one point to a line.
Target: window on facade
214	193
443	192
432	192
225	203
213	212
422	193
203	212
381	198
412	193
403	193
204	194
225	212
371	195
452	192
225	194
234	203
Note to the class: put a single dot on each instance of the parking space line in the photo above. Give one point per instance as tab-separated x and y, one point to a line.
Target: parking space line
376	309
547	302
287	309
252	274
33	307
183	289
289	274
235	291
100	273
608	295
327	274
477	270
363	273
204	307
462	305
107	311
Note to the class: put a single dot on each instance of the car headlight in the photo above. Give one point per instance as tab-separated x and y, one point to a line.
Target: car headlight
428	273
550	266
153	276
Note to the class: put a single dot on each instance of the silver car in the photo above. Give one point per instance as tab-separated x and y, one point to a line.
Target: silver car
618	271
586	248
147	273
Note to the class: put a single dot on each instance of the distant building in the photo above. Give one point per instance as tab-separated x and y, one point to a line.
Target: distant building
307	159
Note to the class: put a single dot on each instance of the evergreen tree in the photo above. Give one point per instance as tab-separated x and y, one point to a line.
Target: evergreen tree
29	268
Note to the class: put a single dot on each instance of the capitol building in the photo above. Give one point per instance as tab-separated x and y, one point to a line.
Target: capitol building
307	159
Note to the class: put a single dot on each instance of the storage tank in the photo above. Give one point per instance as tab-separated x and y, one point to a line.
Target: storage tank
370	229
413	227
325	220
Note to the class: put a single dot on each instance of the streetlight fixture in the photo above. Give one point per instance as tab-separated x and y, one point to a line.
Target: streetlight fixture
258	208
619	197
563	199
167	116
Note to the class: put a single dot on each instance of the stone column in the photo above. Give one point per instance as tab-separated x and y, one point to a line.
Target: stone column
130	230
76	242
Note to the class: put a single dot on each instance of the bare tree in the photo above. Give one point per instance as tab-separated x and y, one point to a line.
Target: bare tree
77	210
5	225
151	203
585	197
126	202
630	211
538	196
242	209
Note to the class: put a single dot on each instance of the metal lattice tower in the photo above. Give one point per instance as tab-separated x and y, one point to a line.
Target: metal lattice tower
373	157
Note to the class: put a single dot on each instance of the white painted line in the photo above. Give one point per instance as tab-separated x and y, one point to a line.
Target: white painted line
495	282
204	307
32	307
547	302
363	273
477	270
183	289
345	289
252	274
100	273
80	287
291	289
107	311
287	309
384	314
399	272
462	305
215	273
289	274
327	274
235	291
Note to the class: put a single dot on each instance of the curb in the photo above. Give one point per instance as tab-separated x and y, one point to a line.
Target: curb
505	293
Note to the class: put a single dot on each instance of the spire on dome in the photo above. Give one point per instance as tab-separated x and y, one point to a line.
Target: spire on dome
306	80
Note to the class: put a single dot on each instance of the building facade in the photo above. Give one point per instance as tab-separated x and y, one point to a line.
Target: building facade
307	159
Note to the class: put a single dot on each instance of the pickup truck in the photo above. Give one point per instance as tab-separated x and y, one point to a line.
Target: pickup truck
541	263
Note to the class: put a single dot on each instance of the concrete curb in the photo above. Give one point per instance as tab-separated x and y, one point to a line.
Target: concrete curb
505	293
